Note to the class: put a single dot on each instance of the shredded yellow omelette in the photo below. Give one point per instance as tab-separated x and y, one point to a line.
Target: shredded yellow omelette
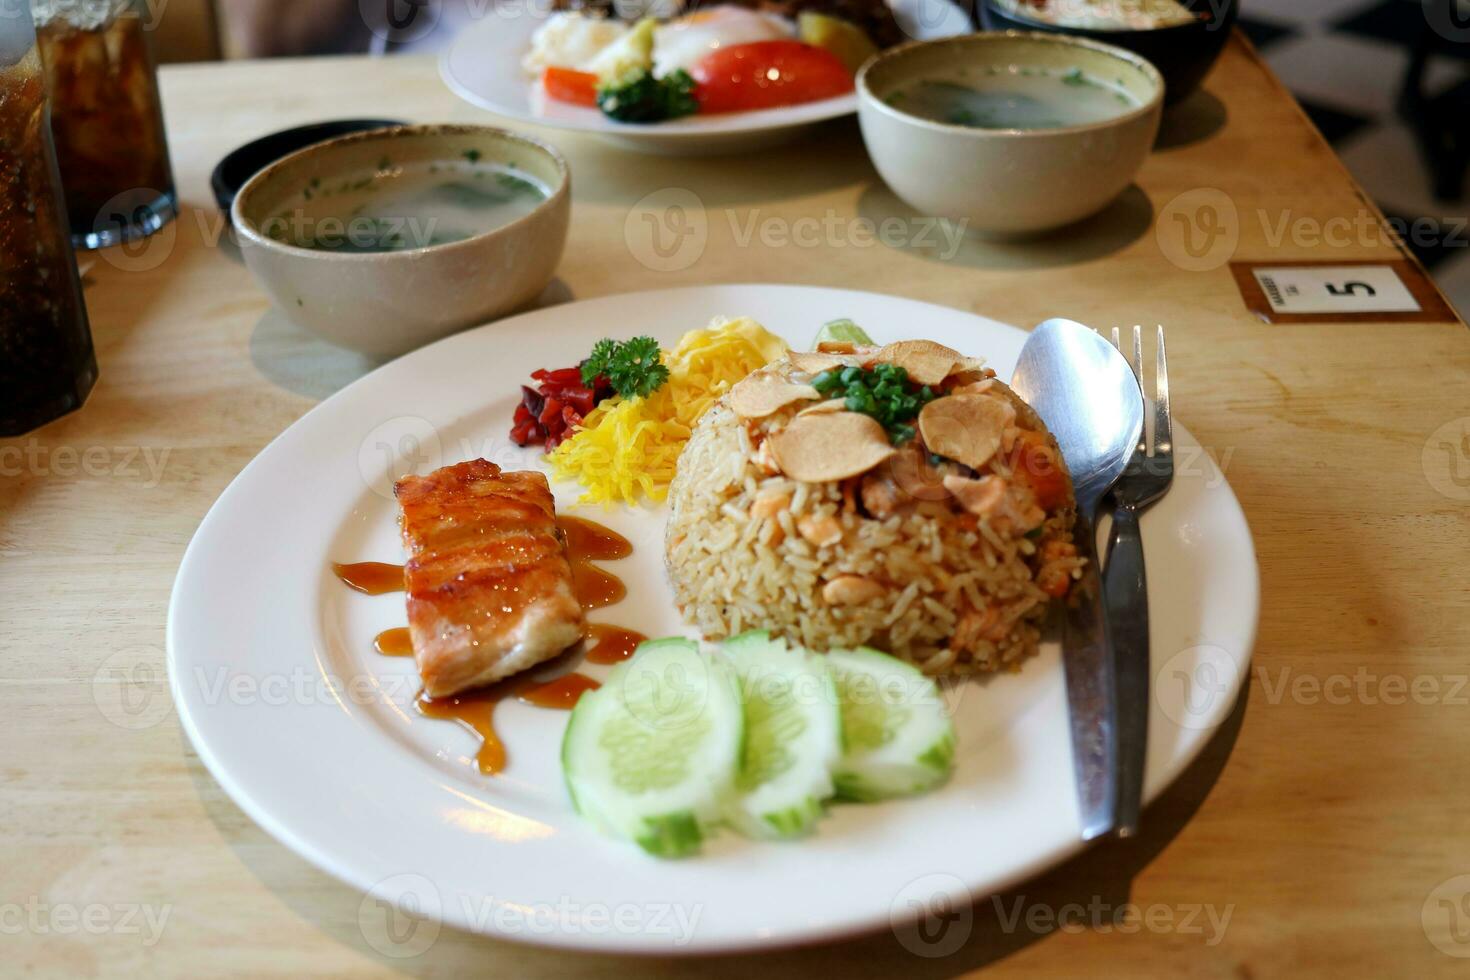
628	447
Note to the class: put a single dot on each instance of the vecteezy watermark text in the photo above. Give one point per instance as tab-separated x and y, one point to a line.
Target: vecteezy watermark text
34	458
1201	229
668	230
399	917
934	915
41	918
1204	919
1364	686
833	230
673	920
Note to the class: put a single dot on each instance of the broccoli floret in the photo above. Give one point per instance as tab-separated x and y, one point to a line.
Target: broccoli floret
640	98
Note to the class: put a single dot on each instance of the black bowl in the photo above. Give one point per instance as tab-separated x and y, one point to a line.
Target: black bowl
247	161
1182	54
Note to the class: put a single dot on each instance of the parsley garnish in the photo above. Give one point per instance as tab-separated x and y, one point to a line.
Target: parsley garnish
632	367
883	393
639	97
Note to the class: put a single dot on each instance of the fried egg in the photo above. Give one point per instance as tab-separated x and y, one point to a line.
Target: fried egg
570	40
683	41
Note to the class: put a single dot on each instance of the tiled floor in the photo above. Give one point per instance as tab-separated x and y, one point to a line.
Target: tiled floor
1345	60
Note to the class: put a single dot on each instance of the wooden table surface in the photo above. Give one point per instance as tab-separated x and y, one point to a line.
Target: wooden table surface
1326	820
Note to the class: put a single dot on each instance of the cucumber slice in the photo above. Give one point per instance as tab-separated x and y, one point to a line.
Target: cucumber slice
843	332
897	738
651	756
793	737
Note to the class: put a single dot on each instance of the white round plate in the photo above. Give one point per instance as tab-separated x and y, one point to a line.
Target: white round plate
314	735
483	66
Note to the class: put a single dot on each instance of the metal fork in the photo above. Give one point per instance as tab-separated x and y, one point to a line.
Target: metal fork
1148	477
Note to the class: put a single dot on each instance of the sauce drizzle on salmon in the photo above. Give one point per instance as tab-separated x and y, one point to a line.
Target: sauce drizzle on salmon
496	583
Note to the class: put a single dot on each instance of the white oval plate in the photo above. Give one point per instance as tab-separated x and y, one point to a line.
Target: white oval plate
483	66
314	735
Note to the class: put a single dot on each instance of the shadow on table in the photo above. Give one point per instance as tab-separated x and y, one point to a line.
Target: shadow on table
1195	119
302	363
229	243
1111	230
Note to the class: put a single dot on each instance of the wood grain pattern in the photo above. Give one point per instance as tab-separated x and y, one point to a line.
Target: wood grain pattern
1323	823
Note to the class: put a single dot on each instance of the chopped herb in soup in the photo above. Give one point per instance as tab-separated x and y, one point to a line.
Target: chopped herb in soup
1014	97
403	207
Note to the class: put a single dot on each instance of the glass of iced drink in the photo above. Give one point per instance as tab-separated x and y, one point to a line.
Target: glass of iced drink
107	118
47	366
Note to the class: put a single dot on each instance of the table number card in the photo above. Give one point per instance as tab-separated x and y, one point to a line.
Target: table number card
1321	292
1335	289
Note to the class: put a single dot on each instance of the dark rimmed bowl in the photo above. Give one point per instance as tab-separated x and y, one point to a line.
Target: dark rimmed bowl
1184	54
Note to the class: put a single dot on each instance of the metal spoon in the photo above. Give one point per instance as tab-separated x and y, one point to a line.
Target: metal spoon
1088	397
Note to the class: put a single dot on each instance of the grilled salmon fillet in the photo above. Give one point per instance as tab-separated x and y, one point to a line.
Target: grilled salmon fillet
489	584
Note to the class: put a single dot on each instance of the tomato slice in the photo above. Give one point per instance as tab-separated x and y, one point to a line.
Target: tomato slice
767	74
568	85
